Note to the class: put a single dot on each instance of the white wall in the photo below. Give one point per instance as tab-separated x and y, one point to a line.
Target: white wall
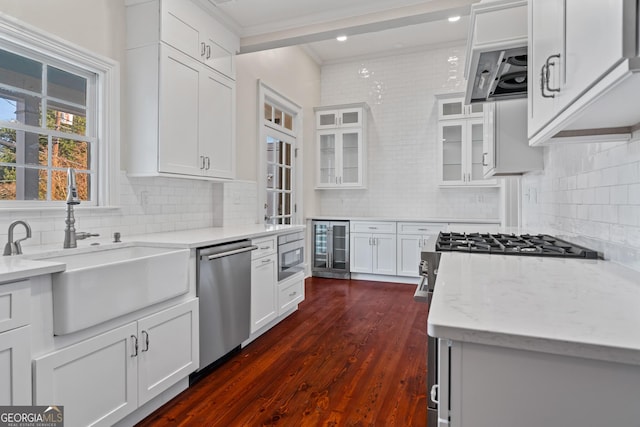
402	146
97	25
590	193
292	73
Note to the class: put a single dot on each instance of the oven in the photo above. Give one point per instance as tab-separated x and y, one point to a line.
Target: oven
428	270
290	254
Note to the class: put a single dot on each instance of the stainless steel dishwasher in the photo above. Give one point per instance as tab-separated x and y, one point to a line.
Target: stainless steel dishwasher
224	290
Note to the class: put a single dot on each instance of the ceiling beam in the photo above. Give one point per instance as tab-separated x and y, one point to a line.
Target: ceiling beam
434	10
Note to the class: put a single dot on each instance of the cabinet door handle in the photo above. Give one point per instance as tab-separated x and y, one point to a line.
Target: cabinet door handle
203	48
146	341
208	51
419	243
208	162
134	339
484	159
201	162
548	65
542	85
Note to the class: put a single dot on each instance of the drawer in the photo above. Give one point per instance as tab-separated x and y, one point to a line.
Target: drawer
290	293
14	305
266	246
373	227
421	227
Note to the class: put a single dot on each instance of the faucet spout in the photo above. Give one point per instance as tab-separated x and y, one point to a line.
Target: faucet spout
14	248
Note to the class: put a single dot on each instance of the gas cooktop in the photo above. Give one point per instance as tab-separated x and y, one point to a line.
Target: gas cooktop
512	244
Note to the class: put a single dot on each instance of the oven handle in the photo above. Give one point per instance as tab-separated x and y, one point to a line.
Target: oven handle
434	394
234	252
422	292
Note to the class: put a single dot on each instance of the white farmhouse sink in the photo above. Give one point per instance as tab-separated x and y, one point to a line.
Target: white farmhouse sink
101	285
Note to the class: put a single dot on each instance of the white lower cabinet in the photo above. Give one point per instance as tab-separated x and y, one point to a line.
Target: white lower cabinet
373	247
290	293
489	386
15	344
104	378
263	283
412	238
15	367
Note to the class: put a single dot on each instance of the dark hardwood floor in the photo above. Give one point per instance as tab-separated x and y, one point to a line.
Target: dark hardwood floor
352	355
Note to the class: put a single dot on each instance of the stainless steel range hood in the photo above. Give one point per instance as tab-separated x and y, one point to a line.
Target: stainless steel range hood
496	58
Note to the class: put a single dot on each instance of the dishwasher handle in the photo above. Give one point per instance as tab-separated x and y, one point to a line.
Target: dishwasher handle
233	252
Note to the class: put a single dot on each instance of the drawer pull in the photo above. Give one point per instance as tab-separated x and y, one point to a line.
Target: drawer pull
266	261
293	293
373	228
264	248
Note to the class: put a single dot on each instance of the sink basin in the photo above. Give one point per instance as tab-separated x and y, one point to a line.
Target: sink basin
103	284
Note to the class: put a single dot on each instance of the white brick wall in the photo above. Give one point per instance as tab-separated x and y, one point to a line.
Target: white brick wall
402	147
590	193
147	205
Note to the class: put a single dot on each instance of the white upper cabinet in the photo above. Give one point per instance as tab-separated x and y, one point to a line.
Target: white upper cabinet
583	70
180	92
454	108
461	143
506	147
341	147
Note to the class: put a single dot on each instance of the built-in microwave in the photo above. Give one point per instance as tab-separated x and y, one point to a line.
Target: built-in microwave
290	254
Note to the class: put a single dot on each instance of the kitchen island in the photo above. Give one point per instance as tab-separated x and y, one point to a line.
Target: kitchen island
532	341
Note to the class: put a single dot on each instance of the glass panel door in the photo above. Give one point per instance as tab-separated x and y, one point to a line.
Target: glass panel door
327	146
320	245
351	117
451	108
451	136
340	244
326	119
350	157
279	203
477	138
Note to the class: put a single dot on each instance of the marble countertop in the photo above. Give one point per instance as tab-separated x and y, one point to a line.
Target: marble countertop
574	307
443	220
29	264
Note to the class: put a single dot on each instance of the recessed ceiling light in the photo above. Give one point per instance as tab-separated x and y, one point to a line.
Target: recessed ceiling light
454	18
341	38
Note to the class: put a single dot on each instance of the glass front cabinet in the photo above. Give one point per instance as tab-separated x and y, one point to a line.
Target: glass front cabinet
460	143
341	146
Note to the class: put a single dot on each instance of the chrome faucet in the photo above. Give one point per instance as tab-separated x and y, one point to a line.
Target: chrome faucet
70	235
14	248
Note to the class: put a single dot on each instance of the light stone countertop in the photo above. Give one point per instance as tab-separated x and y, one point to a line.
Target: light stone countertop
19	267
574	307
442	220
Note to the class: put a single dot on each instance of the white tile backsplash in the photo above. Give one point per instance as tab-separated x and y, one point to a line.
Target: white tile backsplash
402	132
602	210
147	205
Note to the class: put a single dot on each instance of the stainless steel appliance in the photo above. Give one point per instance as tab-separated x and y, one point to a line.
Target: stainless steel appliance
290	254
331	249
481	243
224	291
496	55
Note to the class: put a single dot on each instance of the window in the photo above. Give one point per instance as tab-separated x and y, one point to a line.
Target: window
57	105
278	152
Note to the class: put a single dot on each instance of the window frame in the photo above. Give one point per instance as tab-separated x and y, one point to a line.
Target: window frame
266	127
24	39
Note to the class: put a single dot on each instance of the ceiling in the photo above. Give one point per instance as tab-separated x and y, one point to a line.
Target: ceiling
374	27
